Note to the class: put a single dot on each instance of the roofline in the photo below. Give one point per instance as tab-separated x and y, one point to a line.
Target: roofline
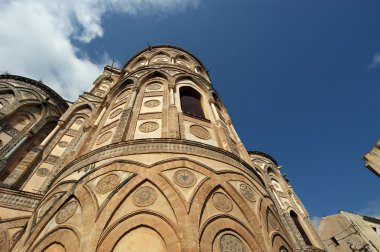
264	155
52	94
163	46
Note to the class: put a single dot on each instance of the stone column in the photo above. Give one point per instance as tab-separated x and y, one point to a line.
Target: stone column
122	128
52	134
173	119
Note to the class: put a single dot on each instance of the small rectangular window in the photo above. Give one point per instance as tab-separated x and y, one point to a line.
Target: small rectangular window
334	240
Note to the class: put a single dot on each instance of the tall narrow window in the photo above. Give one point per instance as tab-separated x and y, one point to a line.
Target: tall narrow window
191	102
300	228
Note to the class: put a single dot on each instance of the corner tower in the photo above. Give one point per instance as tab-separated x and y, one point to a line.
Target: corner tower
148	160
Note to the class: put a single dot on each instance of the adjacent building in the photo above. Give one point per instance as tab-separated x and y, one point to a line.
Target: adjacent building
346	232
372	159
147	160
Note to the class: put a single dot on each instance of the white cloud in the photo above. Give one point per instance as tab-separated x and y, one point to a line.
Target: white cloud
316	220
36	37
375	60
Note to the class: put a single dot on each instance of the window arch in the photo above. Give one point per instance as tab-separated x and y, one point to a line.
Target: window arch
300	228
191	102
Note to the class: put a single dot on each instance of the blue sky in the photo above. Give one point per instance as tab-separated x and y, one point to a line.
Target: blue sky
300	78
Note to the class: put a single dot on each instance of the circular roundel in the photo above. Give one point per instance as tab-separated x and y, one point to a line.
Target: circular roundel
107	184
247	192
104	137
79	121
144	196
221	202
115	113
66	212
200	132
154	86
152	103
62	144
230	243
147	127
184	178
42	172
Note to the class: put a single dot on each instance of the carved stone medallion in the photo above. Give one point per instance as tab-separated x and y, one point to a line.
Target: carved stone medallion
104	137
200	132
144	196
247	192
42	172
152	103
230	243
184	178
66	212
62	144
147	127
108	183
154	86
221	202
115	113
79	121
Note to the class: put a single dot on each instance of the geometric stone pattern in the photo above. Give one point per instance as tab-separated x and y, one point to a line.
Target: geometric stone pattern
193	194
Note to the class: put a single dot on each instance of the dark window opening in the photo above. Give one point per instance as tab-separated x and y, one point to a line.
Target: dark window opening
335	241
300	228
191	102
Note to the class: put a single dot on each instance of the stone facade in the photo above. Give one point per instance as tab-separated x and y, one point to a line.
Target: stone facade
372	159
350	232
147	160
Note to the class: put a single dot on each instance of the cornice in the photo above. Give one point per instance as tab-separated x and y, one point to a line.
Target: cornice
50	92
163	46
263	154
157	146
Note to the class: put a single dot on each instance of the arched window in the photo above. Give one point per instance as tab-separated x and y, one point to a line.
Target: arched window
191	102
300	228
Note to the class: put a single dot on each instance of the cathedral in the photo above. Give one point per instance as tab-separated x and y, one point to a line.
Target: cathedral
147	160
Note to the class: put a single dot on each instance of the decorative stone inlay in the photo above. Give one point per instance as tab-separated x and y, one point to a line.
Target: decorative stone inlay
230	243
115	113
221	202
247	192
8	96
104	137
79	121
62	144
42	172
154	86
152	103
144	196
108	183
200	132
18	202
66	212
184	178
147	127
123	95
273	222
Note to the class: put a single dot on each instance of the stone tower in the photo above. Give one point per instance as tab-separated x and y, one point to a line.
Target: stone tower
147	160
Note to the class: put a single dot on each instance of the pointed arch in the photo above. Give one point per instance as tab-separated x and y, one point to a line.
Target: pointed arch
300	228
